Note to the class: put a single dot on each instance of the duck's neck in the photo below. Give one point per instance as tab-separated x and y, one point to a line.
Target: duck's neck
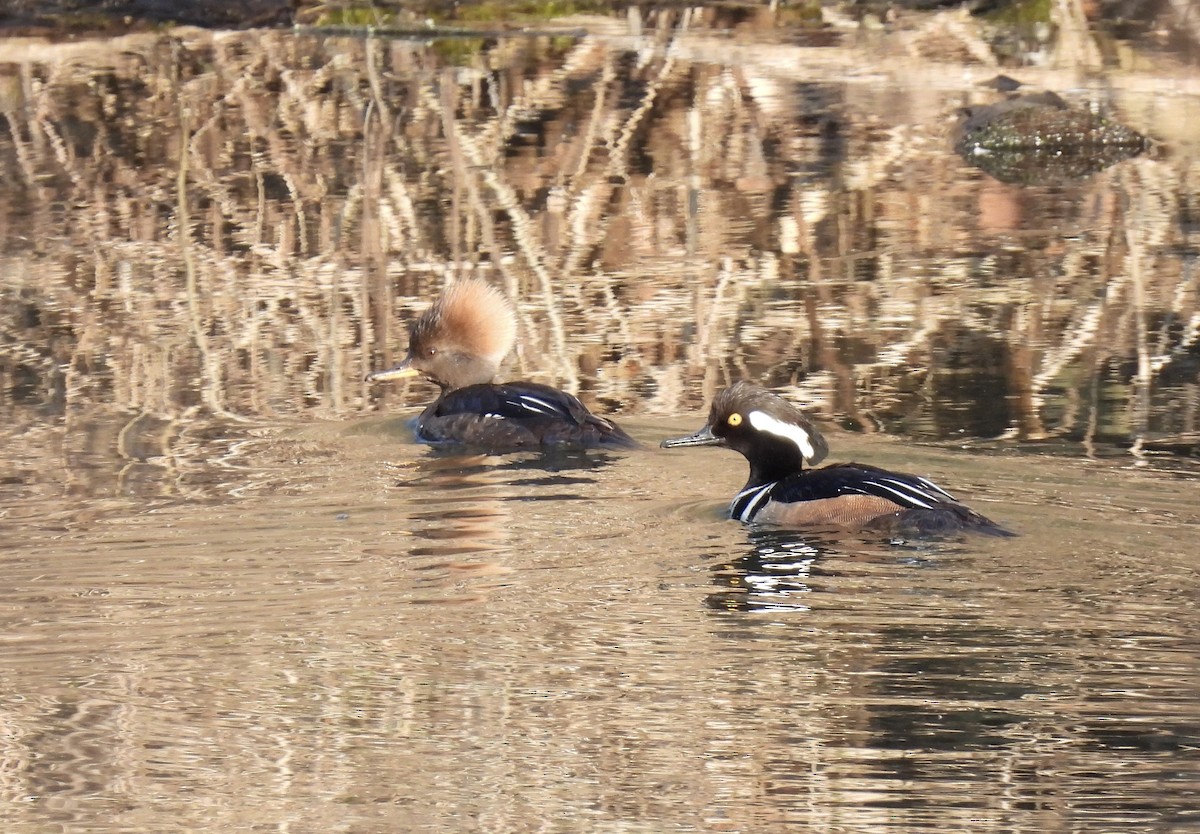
766	469
468	370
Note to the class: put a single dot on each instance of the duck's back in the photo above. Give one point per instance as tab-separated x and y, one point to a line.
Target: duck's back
516	415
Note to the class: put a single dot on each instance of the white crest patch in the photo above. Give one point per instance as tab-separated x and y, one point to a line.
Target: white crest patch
761	421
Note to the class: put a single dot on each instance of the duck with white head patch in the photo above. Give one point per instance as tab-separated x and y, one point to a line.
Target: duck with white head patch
459	343
778	441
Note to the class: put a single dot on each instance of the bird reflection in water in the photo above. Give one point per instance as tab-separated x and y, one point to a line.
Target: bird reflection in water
460	532
784	569
777	574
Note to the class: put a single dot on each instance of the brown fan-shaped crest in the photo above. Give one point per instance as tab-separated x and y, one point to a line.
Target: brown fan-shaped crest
475	315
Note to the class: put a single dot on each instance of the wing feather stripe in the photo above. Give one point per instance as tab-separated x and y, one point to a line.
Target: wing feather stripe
748	502
537	405
934	488
907	493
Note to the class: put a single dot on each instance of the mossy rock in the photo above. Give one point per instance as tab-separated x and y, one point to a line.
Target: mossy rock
1039	138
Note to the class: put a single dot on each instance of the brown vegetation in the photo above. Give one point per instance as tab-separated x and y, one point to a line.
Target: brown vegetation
237	226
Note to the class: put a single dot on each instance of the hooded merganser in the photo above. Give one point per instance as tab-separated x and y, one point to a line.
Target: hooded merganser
777	440
459	344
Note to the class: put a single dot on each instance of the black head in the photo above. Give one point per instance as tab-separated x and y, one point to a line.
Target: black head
771	433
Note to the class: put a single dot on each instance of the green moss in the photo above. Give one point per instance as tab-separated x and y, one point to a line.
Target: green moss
365	13
459	51
1024	13
562	44
494	11
357	16
805	12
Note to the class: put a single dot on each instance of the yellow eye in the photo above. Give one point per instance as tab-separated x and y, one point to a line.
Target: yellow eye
734	419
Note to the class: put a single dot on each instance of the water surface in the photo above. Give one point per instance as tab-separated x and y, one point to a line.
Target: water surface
239	597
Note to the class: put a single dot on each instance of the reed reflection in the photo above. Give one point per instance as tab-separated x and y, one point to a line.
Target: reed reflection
662	227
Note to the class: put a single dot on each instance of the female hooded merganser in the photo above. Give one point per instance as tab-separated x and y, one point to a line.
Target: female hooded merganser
777	440
459	344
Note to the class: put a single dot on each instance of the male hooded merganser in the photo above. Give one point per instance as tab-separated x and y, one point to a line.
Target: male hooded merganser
459	344
777	440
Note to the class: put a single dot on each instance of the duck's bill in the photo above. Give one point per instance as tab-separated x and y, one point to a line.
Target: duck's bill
704	437
401	371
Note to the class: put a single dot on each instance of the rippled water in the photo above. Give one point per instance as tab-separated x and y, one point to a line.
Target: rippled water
239	597
418	641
